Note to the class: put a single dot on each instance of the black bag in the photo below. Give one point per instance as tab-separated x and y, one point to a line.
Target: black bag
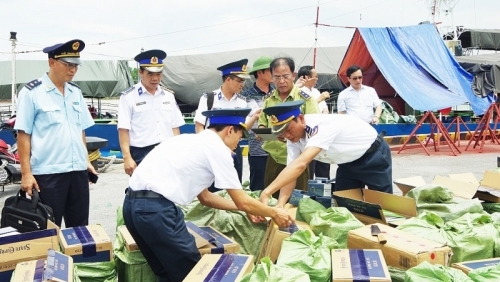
25	214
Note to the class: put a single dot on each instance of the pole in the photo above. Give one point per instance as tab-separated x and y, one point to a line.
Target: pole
13	92
316	35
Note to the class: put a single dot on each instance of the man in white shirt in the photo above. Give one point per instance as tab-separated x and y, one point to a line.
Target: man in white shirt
227	97
147	114
359	100
363	158
174	173
310	78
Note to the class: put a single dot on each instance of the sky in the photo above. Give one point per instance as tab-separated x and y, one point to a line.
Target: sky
113	30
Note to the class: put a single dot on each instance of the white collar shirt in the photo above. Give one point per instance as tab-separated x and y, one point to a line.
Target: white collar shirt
314	92
180	168
220	102
149	118
342	138
359	103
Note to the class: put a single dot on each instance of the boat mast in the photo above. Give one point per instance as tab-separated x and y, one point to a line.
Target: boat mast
13	93
316	35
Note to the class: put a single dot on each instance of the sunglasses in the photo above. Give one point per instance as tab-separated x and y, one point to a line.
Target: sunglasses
357	77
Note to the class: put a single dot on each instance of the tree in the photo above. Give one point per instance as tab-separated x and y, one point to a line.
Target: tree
134	73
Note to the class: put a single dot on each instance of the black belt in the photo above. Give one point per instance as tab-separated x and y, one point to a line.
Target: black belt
376	143
142	194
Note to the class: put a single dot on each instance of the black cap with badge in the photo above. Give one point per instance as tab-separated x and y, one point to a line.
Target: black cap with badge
68	52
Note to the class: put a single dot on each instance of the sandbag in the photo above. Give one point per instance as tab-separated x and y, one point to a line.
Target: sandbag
486	274
307	207
309	254
471	237
234	224
266	271
441	201
335	222
96	271
397	274
435	273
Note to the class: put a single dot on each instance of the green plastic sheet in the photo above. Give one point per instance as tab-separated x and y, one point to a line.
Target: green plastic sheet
491	207
266	271
307	208
486	274
308	253
441	201
397	274
234	224
435	273
335	222
96	271
471	237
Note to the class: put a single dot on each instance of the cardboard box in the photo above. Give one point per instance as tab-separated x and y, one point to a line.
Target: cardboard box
211	241
320	187
223	268
368	205
56	268
25	247
467	266
296	196
130	244
271	244
357	265
463	185
86	243
402	250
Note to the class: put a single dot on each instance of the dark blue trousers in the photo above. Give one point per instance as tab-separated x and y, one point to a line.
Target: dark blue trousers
68	195
238	165
139	153
373	169
257	171
157	226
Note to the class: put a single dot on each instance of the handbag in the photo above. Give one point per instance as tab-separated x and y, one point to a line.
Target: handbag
25	214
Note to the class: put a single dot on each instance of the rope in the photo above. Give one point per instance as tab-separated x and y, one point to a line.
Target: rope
103	163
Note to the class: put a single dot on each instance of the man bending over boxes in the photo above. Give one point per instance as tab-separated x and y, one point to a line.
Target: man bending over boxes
175	172
362	156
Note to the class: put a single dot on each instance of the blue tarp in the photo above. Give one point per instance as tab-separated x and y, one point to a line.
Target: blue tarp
418	65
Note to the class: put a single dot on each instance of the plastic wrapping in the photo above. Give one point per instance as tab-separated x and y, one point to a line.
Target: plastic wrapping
266	271
435	273
308	253
307	207
335	223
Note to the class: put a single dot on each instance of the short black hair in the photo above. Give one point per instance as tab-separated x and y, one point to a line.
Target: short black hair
220	127
282	60
232	76
305	71
352	69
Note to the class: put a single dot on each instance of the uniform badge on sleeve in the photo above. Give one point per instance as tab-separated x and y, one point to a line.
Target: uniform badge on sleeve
304	95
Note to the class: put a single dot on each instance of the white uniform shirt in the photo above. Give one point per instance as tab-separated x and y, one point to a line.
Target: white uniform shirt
149	118
359	103
220	102
342	138
314	92
180	168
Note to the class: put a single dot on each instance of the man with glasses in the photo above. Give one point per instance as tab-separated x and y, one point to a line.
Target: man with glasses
255	96
51	119
282	71
147	113
227	97
359	100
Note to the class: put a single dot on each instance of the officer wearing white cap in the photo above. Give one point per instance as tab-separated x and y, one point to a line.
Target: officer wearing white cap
227	97
174	173
148	113
51	120
363	158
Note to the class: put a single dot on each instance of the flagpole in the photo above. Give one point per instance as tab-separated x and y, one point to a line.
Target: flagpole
13	93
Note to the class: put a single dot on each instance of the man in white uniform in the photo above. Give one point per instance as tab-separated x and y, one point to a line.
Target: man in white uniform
147	113
174	173
363	158
227	97
359	100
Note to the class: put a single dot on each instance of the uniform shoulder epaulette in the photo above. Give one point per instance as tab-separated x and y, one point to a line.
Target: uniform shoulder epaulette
128	90
166	89
304	95
74	84
206	94
33	84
